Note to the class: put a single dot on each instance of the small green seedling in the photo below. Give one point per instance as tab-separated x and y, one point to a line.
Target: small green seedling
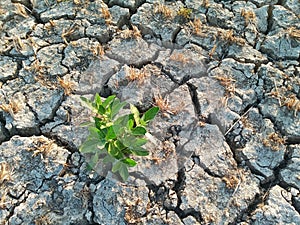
114	138
185	12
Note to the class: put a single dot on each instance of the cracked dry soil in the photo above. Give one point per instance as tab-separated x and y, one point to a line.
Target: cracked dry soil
226	143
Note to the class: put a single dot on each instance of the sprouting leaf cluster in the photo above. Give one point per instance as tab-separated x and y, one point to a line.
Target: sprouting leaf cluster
115	138
184	12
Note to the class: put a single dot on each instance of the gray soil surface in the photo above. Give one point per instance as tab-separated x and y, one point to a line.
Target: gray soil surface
225	146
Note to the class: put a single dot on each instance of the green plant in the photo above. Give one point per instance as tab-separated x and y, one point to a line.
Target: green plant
114	137
185	12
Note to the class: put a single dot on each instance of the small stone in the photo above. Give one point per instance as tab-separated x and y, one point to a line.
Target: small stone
291	173
190	220
157	24
8	68
215	197
218	16
140	51
93	79
183	64
51	57
131	4
281	47
44	102
60	10
283	18
119	15
264	2
276	210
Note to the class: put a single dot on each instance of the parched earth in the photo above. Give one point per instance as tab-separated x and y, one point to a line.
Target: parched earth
225	146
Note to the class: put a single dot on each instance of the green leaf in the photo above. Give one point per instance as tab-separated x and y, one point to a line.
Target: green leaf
94	133
98	122
97	100
113	150
122	120
140	151
116	166
129	162
127	140
140	141
136	114
118	129
139	131
116	107
132	141
150	114
123	171
130	124
110	133
91	146
108	101
119	145
101	110
87	124
108	159
92	163
120	124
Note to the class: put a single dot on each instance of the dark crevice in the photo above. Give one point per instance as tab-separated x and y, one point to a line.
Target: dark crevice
167	72
178	188
274	181
27	4
197	44
153	189
70	146
257	172
257	63
52	116
260	199
296	203
230	134
293	140
256	67
141	65
141	176
27	132
266	186
192	212
287	160
208	171
12	208
90	206
4	131
37	131
106	91
172	134
281	2
37	16
195	100
270	19
158	194
179	184
132	10
175	33
124	21
225	51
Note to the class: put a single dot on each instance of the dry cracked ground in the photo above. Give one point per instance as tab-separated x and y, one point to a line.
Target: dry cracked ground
225	74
